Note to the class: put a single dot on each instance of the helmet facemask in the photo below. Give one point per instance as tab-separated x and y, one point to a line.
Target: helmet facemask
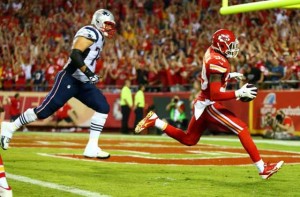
104	21
232	49
108	29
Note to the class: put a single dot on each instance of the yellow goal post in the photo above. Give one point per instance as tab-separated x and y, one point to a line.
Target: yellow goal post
260	5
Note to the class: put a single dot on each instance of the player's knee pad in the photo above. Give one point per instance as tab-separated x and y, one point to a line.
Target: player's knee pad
30	115
99	118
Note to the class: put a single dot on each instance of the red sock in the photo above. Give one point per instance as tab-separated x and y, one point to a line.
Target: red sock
249	145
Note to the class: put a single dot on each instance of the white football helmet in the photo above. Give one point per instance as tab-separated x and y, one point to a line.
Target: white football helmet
104	20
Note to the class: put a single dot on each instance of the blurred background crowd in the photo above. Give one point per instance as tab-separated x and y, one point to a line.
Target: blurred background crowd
160	43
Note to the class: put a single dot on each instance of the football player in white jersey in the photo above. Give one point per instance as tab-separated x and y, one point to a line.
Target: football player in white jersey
77	80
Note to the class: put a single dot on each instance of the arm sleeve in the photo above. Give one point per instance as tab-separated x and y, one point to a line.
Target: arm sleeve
77	57
217	95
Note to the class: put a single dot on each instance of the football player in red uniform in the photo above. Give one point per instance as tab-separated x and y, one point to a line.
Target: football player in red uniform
15	107
207	109
5	189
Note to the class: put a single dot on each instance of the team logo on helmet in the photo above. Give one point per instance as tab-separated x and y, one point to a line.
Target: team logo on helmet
224	38
105	13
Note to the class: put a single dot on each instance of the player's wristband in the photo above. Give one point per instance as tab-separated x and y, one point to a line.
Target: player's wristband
88	72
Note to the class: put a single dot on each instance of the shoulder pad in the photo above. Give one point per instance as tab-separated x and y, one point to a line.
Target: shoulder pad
220	59
218	64
89	33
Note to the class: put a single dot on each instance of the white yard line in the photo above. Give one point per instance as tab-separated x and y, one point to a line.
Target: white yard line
64	188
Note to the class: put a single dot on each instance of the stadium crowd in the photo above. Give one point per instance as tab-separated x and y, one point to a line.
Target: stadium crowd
159	43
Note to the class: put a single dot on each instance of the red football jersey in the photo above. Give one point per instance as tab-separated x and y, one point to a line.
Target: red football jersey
213	63
63	111
15	107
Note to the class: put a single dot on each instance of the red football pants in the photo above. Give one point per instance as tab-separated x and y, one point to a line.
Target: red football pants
215	115
2	172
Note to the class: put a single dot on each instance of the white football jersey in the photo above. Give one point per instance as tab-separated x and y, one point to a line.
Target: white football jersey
91	54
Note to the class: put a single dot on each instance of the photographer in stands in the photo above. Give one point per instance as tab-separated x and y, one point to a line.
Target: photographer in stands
281	126
177	113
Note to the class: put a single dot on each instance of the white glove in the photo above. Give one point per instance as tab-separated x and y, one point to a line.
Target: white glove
246	90
236	76
94	79
91	76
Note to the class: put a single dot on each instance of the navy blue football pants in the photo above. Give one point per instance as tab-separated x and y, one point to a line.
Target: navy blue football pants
66	87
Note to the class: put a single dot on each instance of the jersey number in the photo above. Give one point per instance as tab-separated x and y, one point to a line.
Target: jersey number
97	56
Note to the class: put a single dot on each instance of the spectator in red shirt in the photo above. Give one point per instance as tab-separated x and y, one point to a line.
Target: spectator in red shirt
68	114
51	70
20	79
7	77
15	107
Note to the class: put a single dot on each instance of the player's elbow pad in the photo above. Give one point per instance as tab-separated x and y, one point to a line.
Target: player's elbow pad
77	57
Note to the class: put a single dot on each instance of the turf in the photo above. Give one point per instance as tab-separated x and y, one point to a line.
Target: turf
147	180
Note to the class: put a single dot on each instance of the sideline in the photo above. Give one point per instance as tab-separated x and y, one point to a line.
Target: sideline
73	190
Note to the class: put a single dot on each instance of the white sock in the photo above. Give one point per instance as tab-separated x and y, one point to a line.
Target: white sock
160	124
3	183
260	165
25	118
97	123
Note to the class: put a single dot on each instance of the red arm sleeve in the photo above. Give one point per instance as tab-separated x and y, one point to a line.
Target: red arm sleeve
217	95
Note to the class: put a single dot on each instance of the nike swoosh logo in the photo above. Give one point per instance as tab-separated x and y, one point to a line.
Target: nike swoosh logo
147	124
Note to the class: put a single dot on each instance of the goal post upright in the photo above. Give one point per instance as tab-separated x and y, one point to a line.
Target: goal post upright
224	3
255	6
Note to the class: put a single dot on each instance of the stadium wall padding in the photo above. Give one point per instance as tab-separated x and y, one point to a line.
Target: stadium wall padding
266	101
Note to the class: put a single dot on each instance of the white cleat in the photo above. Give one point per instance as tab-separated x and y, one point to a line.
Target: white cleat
7	130
5	192
95	153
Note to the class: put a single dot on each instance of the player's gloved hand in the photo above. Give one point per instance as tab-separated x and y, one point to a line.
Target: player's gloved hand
91	76
94	79
236	76
246	91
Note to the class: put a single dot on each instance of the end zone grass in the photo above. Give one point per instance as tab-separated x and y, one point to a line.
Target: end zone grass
149	180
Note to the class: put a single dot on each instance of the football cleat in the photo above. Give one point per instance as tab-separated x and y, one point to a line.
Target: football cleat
95	153
5	142
270	169
6	134
5	192
148	121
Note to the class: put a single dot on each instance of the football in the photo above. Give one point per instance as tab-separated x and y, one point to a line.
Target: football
247	99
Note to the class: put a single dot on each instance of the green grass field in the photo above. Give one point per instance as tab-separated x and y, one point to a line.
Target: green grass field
32	172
